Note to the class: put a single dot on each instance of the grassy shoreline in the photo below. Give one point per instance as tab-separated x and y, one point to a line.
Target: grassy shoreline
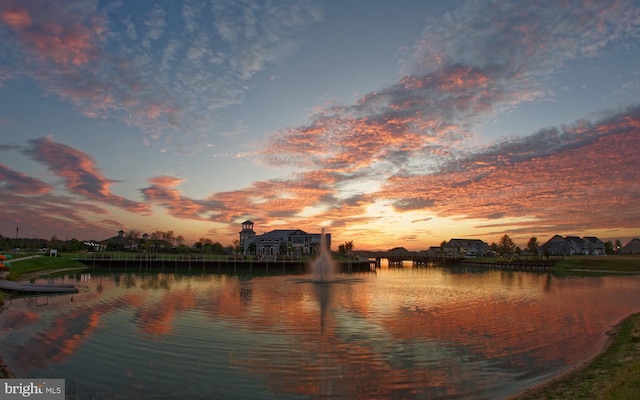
621	263
612	374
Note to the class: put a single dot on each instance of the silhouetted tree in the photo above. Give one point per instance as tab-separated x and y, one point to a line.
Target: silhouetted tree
217	248
53	242
608	247
506	246
533	245
618	246
348	246
132	236
235	246
4	243
179	240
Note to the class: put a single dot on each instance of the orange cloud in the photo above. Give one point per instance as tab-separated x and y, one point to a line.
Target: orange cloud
16	18
595	171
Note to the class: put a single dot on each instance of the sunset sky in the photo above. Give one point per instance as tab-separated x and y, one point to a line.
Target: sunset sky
390	123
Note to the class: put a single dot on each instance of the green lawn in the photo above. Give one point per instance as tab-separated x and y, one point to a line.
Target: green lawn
619	263
19	269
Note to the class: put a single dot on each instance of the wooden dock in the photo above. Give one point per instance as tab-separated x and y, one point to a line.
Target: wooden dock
422	259
195	263
25	287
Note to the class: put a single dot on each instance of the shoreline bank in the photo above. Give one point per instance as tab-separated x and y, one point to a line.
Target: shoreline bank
5	372
578	382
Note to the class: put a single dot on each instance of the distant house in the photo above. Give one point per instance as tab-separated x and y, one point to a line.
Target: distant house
435	251
398	252
117	242
595	246
466	248
557	246
633	247
572	245
122	242
578	245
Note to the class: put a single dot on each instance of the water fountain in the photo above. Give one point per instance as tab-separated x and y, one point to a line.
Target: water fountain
323	267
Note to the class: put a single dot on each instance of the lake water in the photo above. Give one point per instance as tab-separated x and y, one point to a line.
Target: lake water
431	333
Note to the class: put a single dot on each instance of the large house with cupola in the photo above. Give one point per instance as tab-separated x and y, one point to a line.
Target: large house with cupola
280	241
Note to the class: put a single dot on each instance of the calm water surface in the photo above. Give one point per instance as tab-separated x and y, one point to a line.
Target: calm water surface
400	333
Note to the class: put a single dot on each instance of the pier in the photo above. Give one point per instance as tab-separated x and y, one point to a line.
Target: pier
366	262
39	288
192	262
424	259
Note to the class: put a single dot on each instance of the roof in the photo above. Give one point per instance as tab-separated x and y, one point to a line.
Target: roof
465	242
555	238
398	250
575	239
283	233
632	247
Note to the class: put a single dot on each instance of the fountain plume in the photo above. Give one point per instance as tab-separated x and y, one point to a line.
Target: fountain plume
323	266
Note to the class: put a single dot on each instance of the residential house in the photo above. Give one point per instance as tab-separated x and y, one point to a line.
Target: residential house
557	246
435	251
466	248
121	242
595	246
398	252
572	245
633	247
578	245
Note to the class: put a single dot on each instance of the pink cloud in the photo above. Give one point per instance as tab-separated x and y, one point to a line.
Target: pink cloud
20	183
65	47
80	173
162	192
61	35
